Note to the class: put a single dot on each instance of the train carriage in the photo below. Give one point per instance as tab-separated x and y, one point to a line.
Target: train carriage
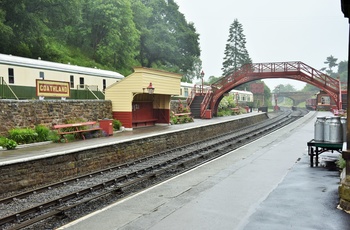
20	75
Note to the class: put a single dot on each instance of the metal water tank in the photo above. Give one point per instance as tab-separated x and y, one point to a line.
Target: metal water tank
326	129
335	130
344	127
319	129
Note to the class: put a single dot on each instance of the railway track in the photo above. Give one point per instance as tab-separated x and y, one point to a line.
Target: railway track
54	205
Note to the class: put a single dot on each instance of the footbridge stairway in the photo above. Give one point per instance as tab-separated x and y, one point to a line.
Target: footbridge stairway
211	98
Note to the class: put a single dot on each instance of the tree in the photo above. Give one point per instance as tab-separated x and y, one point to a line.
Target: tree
167	40
236	53
35	25
194	72
108	33
343	71
213	79
284	88
331	62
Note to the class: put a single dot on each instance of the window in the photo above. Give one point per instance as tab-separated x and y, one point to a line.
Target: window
71	81
81	82
11	75
41	75
186	92
104	85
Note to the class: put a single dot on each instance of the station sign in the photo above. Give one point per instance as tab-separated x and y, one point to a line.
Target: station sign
46	88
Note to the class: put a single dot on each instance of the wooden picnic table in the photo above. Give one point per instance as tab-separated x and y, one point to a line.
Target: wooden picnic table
81	128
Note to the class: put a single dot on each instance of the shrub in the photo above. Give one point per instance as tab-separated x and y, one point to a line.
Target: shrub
7	143
43	133
116	125
23	136
174	120
341	163
53	136
69	137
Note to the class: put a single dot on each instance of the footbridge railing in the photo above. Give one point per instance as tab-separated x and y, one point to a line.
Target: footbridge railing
292	70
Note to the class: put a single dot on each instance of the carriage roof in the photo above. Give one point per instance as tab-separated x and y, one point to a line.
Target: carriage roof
40	64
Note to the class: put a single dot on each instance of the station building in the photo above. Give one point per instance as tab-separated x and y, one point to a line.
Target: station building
143	98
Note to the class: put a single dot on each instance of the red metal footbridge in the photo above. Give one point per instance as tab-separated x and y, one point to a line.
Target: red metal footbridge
211	98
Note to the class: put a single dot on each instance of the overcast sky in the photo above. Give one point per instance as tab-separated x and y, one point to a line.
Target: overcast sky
275	30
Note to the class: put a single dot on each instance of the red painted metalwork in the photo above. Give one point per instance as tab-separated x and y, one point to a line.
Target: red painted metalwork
256	71
207	98
191	96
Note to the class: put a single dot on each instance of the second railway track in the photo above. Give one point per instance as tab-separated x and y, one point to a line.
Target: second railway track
52	206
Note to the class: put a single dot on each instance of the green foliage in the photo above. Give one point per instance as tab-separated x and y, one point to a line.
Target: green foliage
227	102
341	163
167	40
175	119
116	125
224	112
284	88
69	137
23	136
43	133
236	54
7	143
74	120
330	62
108	34
54	137
310	88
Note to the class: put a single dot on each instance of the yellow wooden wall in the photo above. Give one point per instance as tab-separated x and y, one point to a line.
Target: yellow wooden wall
165	83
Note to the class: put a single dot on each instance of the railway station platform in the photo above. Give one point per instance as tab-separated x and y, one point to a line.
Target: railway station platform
47	149
267	185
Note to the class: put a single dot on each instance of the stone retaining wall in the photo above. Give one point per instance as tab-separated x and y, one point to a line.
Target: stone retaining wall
29	113
45	171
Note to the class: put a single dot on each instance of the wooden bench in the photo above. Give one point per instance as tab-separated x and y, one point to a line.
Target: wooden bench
143	123
76	128
182	114
236	110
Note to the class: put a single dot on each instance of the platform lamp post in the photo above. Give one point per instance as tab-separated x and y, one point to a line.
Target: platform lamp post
344	188
277	90
202	76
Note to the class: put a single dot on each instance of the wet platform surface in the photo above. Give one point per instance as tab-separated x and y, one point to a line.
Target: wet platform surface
267	184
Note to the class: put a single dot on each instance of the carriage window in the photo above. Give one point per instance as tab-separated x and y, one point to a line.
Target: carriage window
41	75
71	81
81	82
104	85
11	75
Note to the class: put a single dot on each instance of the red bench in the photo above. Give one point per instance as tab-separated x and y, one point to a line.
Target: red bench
80	128
143	123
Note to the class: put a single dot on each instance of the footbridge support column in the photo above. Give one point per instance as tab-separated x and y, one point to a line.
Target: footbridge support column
344	188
